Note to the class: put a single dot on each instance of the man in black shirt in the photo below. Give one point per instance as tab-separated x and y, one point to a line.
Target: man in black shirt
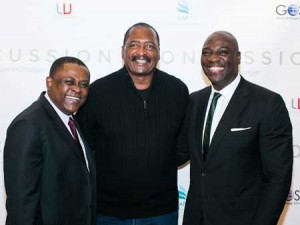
132	119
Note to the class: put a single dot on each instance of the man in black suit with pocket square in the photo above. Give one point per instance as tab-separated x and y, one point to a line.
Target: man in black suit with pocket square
49	177
241	155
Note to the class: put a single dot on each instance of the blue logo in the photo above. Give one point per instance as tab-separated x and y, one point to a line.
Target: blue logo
293	197
288	10
183	10
290	196
293	10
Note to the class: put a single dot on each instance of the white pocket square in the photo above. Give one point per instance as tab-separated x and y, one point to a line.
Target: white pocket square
240	129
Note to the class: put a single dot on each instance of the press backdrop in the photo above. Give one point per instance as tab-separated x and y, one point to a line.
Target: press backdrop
33	33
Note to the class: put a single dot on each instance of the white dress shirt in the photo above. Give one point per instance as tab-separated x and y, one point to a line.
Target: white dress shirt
223	101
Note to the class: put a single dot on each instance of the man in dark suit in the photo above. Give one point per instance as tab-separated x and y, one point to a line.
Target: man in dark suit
241	164
49	178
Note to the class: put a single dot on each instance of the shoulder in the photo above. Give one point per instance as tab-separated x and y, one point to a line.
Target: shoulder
29	119
35	110
110	78
106	85
257	91
170	80
200	93
40	112
162	75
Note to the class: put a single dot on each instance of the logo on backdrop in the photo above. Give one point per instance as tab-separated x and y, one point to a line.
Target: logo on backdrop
293	197
182	196
295	104
64	9
286	11
272	57
1	151
15	55
183	10
296	149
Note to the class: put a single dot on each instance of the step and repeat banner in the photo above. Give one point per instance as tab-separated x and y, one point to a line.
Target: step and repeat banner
34	33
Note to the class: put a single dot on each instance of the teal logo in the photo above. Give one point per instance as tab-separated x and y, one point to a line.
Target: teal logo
182	196
183	10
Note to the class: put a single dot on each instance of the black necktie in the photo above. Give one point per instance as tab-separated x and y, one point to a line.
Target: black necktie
75	135
206	137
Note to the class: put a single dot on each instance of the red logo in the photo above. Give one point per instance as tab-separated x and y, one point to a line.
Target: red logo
296	103
64	8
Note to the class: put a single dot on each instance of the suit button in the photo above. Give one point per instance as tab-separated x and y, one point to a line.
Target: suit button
203	174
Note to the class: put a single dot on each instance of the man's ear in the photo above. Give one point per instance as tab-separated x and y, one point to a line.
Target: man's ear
123	52
239	57
49	82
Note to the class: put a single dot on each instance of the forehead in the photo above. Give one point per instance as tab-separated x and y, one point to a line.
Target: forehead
140	33
220	40
72	70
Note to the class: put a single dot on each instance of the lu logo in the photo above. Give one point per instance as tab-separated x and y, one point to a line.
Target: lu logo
64	9
296	103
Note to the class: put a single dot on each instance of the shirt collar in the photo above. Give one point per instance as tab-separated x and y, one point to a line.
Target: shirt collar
228	91
62	116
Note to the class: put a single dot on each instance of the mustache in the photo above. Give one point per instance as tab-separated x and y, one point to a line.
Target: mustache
134	58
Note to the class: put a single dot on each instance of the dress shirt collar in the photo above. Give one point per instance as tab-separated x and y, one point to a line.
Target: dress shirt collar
228	91
62	116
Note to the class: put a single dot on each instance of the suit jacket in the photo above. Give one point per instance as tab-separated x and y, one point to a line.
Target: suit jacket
46	178
247	174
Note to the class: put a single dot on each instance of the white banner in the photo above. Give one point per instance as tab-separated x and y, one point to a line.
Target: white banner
34	33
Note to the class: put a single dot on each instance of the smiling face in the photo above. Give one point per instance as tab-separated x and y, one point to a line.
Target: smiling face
220	59
141	51
68	87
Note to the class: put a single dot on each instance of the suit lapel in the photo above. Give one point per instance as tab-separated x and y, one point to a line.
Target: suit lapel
202	102
88	151
237	103
60	127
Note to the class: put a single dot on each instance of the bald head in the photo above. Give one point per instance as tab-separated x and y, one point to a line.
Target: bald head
220	58
224	35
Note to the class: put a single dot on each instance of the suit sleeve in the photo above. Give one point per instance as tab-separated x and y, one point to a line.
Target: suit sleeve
182	149
22	173
276	150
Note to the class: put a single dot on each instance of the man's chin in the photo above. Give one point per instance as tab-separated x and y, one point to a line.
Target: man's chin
143	73
215	77
71	109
